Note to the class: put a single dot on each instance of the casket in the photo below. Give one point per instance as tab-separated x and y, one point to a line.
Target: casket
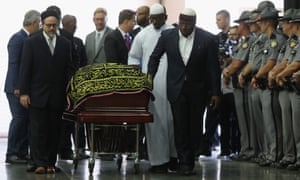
109	115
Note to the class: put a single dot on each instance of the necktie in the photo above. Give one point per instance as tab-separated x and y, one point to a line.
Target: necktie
98	39
127	41
51	45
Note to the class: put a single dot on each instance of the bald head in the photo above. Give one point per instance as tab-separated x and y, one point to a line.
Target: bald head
142	16
69	23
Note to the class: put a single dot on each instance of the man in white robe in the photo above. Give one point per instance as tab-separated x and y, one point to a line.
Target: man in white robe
160	133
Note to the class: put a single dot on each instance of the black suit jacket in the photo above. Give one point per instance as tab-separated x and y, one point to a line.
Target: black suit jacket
80	48
44	76
115	47
202	73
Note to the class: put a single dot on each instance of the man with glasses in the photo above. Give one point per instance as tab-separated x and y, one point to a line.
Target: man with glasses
44	75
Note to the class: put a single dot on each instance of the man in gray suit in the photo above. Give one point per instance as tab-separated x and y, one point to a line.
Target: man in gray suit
94	42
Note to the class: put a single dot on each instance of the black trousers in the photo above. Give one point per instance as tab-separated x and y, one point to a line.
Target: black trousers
188	125
44	128
228	120
225	115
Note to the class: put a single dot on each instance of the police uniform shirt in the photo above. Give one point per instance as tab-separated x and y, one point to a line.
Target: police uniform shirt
294	53
242	55
283	52
272	47
244	48
256	52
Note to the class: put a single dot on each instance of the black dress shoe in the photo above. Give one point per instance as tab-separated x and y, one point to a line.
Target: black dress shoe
15	160
283	164
159	168
30	168
173	165
240	157
293	167
256	160
186	171
266	163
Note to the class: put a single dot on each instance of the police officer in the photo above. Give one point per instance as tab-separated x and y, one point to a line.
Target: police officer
268	24
240	94
289	153
293	65
255	57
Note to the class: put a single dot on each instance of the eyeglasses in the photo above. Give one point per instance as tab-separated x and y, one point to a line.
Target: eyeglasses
51	25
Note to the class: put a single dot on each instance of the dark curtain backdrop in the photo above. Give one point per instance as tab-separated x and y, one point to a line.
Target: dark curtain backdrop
291	4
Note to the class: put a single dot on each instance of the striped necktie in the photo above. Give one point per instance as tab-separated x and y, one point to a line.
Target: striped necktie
51	46
127	41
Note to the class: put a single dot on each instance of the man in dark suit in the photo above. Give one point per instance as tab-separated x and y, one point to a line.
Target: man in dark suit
193	71
66	34
46	68
65	151
17	145
69	23
117	43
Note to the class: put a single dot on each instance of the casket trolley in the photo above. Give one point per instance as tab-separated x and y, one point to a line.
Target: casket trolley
117	109
109	99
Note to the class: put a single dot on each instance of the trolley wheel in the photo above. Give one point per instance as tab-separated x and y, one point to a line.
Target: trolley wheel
91	166
119	162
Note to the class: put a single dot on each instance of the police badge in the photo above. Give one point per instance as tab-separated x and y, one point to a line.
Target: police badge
273	43
244	45
293	43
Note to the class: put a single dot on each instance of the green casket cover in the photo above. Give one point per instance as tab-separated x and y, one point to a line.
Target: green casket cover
106	78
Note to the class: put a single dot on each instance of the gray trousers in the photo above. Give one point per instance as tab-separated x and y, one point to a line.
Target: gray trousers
240	96
295	101
257	121
289	153
269	124
278	124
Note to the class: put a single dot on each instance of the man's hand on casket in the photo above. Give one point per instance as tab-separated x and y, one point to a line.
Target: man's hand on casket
25	100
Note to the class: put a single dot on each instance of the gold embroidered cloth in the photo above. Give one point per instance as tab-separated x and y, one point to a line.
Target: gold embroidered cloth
106	78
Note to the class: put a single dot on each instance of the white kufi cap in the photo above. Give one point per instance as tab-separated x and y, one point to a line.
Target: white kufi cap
188	12
157	9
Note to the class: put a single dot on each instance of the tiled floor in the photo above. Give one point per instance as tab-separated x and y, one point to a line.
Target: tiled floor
210	168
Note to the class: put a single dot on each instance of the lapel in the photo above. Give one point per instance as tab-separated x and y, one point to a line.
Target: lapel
175	40
101	42
44	44
121	38
93	44
195	47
